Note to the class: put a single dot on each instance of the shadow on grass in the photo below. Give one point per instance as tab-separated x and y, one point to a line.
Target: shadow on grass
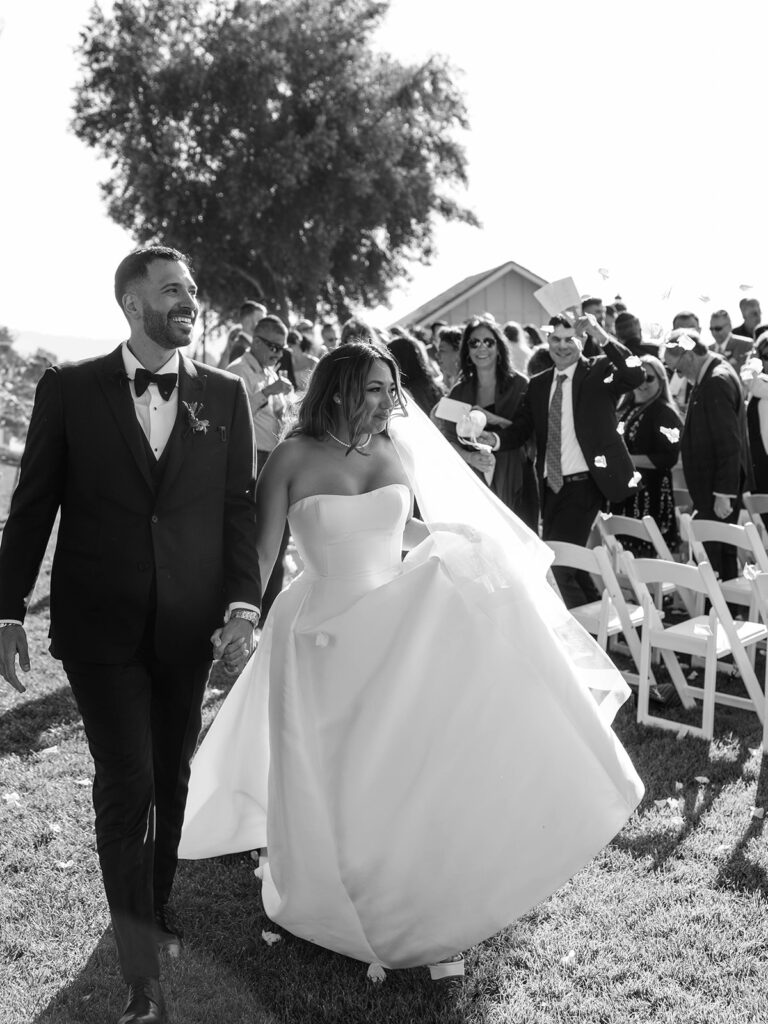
23	726
227	972
739	871
665	762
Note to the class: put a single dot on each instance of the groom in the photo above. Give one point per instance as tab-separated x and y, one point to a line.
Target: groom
149	458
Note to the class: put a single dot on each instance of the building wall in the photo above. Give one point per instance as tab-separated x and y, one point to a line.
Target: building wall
508	298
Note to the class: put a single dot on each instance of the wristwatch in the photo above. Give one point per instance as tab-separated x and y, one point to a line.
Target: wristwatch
245	613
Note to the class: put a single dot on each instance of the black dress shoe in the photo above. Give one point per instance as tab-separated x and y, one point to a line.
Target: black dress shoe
168	933
145	1003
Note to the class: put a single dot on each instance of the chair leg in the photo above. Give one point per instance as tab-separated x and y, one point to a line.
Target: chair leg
710	679
643	683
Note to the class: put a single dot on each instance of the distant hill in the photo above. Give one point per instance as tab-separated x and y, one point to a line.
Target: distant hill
66	348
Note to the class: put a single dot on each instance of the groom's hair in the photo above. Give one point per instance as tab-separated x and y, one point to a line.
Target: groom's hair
135	264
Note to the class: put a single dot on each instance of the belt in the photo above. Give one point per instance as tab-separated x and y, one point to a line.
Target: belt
574	478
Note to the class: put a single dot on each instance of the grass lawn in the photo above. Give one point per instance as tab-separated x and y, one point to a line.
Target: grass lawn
668	924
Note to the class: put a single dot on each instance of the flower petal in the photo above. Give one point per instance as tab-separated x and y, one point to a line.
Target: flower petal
601	462
376	974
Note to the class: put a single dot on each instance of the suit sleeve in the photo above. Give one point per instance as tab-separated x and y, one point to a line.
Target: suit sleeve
723	406
36	500
521	427
628	372
242	581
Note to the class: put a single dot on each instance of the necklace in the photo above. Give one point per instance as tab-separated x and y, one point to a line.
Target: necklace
346	444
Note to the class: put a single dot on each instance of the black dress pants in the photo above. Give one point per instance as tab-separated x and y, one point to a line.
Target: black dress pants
568	515
141	720
722	557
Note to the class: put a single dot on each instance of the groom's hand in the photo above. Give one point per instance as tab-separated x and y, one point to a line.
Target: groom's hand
13	641
234	643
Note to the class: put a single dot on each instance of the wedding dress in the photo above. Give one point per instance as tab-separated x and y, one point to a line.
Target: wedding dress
427	753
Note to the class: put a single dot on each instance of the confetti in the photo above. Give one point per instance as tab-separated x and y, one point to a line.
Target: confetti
682	733
82	782
376	974
569	958
693	675
634	361
65	865
608	379
270	938
702	629
635	479
678	787
604	273
48	750
56	829
601	462
722	848
321	640
702	780
745	287
755	750
12	798
757	812
214	691
620	429
672	434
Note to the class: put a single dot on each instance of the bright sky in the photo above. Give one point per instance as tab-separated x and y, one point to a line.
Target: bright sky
604	134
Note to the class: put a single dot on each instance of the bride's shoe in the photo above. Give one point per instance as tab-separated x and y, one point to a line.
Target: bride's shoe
451	968
261	856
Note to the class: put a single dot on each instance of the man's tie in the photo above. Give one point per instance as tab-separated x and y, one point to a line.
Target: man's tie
166	382
554	432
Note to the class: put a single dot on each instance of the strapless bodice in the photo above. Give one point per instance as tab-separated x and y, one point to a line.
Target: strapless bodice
347	535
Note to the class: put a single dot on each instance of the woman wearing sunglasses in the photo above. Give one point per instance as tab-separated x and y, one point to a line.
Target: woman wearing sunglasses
488	381
754	378
651	427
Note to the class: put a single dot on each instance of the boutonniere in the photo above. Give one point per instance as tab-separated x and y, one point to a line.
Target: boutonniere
194	423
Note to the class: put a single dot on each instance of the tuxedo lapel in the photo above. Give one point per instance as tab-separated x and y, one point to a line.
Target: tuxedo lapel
182	439
117	391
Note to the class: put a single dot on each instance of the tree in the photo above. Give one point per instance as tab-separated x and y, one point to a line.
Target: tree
267	139
18	380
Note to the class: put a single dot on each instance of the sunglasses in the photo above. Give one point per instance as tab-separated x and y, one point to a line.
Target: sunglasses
650	378
277	349
485	342
718	329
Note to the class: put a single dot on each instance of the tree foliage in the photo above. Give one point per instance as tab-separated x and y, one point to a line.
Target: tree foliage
270	141
18	380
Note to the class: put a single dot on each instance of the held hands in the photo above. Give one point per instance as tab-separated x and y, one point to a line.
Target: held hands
233	644
13	641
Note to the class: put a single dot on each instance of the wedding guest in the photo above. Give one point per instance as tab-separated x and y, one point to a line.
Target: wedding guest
733	349
356	329
330	335
414	372
750	311
304	361
628	330
651	425
448	347
488	381
519	349
148	457
239	338
540	360
755	381
581	461
533	334
714	443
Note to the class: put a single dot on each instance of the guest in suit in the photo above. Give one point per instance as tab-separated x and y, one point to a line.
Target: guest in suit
750	311
149	458
488	381
731	347
714	444
754	379
581	460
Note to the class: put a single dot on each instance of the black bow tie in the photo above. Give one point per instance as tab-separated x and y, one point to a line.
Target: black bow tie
166	382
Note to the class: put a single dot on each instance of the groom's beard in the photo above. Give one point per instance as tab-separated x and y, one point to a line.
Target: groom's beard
160	328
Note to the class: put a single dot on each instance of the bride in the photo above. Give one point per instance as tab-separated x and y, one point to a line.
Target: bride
399	710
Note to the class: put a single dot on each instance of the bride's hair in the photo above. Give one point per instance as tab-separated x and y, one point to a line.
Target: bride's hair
343	372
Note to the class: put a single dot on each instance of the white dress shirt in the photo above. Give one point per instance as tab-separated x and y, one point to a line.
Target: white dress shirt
571	456
155	414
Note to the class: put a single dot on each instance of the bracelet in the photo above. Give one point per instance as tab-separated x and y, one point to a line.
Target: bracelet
244	613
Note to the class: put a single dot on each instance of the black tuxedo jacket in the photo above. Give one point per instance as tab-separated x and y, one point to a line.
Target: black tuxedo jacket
597	385
714	444
128	548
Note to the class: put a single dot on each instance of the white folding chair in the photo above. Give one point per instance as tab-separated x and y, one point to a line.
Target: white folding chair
613	527
612	614
759	583
749	549
710	637
757	507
